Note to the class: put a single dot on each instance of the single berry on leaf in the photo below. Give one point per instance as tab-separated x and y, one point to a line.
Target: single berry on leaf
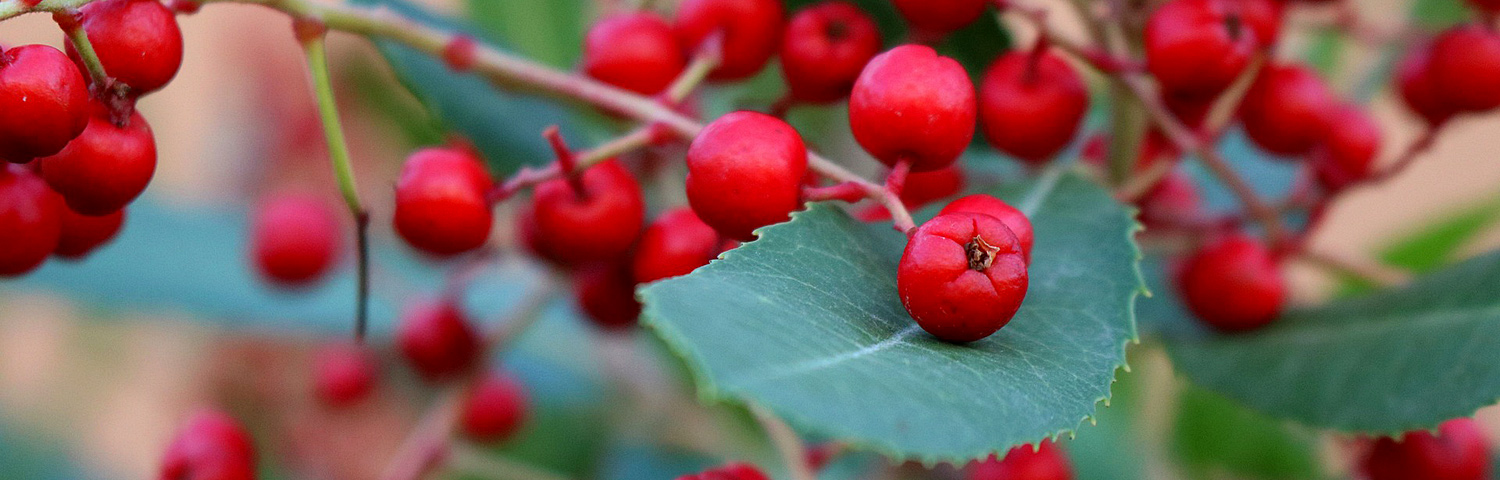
634	51
137	41
732	471
344	374
1233	284
1196	48
1459	451
1348	150
437	339
82	234
606	293
1286	109
940	17
745	171
1047	461
31	217
440	201
106	167
294	238
911	104
595	217
675	244
824	48
750	29
1012	217
962	276
211	446
495	408
45	100
1418	92
1030	104
1465	63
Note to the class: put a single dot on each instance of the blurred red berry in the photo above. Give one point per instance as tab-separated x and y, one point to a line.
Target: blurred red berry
751	30
1045	462
440	201
606	293
82	234
1233	284
31	215
940	16
634	51
211	446
825	47
1286	109
675	244
1459	451
437	339
1031	104
344	374
597	223
295	238
495	409
1465	67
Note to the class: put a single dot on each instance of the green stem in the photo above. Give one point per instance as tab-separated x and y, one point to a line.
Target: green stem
72	25
703	63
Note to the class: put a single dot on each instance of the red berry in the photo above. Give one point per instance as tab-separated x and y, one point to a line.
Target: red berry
675	244
598	223
211	446
1286	109
1418	92
732	471
1192	111
1170	202
137	41
1465	65
81	234
1263	17
495	408
751	30
825	47
923	188
440	203
106	167
1487	7
30	216
437	339
1233	284
1046	462
940	16
295	239
344	374
1031	104
1459	451
635	51
1013	218
744	172
911	104
1154	148
45	100
962	276
1348	149
1196	48
606	293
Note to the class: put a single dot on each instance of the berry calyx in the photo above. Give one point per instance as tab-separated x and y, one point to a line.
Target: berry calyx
1045	462
1196	48
495	408
634	51
1418	91
1013	218
732	471
825	47
1459	451
31	216
1348	150
294	239
1233	284
437	339
440	204
597	217
676	243
344	374
106	167
1465	65
911	104
82	234
211	445
750	30
962	276
45	100
745	171
1286	109
1030	104
137	41
606	293
939	17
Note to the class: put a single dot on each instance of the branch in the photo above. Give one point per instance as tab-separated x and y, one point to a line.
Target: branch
1369	273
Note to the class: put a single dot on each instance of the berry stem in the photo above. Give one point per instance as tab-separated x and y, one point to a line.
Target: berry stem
1408	157
793	451
530	177
708	57
567	161
72	26
895	182
1366	272
845	192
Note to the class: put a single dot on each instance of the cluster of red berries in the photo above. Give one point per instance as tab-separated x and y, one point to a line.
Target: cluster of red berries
1045	461
1458	451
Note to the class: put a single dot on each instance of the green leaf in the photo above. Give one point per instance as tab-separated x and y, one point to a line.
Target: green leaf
1213	434
548	31
806	322
1387	362
1435	244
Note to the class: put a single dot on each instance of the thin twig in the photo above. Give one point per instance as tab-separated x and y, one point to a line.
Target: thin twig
793	451
1367	272
1406	159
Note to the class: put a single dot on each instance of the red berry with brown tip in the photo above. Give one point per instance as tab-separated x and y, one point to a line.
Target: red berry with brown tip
1045	462
437	339
962	276
606	294
1031	104
1465	65
440	201
940	16
137	41
344	374
1459	451
745	171
1233	284
1348	150
911	104
294	239
1013	217
82	234
1418	91
751	30
495	408
1286	110
634	51
1196	48
598	219
825	47
211	446
732	471
45	100
106	167
30	216
675	244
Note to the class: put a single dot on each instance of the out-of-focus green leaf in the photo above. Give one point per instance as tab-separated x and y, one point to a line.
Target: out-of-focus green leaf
549	31
1435	244
393	103
1435	14
1213	434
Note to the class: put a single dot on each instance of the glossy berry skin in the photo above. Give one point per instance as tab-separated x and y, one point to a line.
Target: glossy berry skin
744	172
1013	218
210	446
1046	462
106	167
825	47
940	16
45	100
923	188
911	104
752	29
1348	149
1418	92
1459	451
1031	104
732	471
675	244
344	374
82	234
437	340
440	203
1191	49
634	51
600	223
962	276
495	408
1465	65
1286	109
30	216
1233	284
606	294
294	239
137	41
